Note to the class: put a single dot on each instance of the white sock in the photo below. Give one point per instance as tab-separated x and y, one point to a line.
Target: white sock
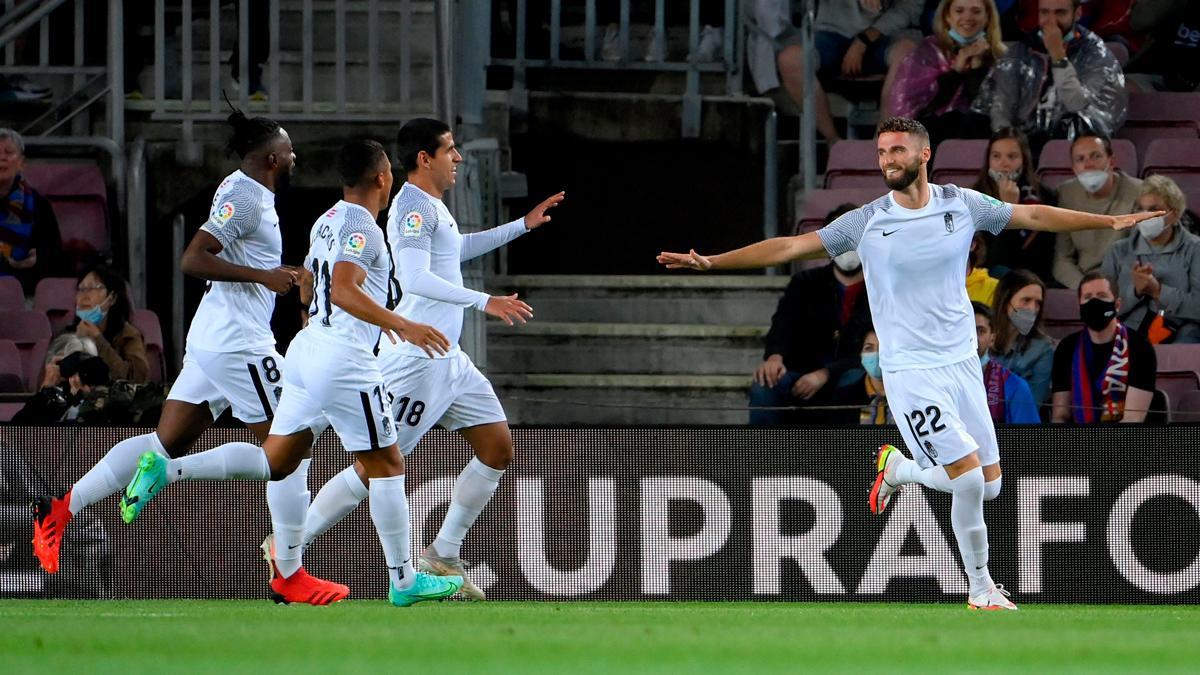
934	477
288	501
337	498
966	516
991	489
389	511
113	471
472	491
224	462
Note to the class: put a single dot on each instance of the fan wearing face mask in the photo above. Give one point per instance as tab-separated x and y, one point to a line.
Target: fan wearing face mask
1017	338
103	313
1010	400
1157	268
1105	372
1098	187
813	341
867	390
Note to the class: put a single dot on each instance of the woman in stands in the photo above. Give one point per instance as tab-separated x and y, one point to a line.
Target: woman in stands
937	83
1008	175
103	313
1020	344
30	243
1157	268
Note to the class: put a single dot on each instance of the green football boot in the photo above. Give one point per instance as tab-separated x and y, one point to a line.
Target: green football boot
150	477
426	587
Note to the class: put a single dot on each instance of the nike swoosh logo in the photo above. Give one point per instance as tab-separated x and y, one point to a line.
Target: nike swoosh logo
292	546
886	233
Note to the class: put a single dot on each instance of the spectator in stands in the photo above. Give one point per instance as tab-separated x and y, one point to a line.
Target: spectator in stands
981	286
852	38
1058	82
1105	372
61	347
866	388
30	244
1008	175
103	314
1171	60
1009	397
1157	268
1098	187
938	82
83	377
1018	341
814	339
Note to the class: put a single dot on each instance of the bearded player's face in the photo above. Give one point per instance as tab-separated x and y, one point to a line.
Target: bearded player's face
900	158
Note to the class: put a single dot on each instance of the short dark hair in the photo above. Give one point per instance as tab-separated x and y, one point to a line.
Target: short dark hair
1092	276
1101	136
903	125
359	160
982	310
420	134
249	133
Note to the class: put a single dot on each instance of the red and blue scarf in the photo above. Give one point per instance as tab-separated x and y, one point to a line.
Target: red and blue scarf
1101	397
16	228
995	376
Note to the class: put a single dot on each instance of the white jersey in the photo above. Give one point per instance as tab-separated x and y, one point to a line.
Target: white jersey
236	316
428	251
915	264
346	233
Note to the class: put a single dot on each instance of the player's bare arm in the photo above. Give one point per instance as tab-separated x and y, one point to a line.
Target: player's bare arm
1054	219
200	260
347	293
766	253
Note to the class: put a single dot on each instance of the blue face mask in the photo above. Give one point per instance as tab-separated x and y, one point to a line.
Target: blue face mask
958	37
94	315
870	362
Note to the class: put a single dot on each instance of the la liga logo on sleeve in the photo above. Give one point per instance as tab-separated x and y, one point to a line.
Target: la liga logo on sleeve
224	212
412	224
356	244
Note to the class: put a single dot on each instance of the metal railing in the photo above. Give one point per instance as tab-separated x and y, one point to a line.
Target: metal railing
728	60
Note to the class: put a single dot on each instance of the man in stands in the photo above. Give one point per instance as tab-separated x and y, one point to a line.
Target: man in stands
1059	81
1105	372
1098	187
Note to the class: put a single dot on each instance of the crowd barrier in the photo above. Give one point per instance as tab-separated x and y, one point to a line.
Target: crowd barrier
1091	515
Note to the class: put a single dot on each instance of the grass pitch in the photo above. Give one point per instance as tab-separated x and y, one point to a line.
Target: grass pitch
198	636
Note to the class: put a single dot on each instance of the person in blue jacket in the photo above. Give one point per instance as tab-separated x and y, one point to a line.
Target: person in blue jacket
1009	398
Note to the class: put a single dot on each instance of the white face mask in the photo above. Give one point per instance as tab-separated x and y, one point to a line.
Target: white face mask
998	176
1092	181
848	262
1151	228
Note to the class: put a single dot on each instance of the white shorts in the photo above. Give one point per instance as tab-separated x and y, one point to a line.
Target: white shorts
250	381
449	391
340	383
943	413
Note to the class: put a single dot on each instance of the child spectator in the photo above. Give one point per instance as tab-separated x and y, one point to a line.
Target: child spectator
867	390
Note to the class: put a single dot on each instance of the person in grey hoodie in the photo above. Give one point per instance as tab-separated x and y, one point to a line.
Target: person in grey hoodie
1158	267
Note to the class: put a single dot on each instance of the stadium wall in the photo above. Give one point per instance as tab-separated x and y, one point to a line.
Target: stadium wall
707	513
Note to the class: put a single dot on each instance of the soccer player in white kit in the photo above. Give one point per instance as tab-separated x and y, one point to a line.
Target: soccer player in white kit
428	251
231	359
334	375
913	243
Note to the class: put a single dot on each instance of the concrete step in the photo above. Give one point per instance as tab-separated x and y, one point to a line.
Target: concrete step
624	348
658	299
623	399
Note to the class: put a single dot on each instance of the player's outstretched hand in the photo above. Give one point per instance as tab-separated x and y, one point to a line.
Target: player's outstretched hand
281	279
684	261
508	308
1124	222
537	217
428	338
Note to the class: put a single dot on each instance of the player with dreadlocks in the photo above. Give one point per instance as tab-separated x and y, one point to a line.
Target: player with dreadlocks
230	359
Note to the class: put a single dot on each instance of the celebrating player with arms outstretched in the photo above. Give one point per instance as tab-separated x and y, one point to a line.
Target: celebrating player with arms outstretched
231	359
333	375
428	251
913	243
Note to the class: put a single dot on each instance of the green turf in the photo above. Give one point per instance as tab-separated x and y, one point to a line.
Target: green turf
588	637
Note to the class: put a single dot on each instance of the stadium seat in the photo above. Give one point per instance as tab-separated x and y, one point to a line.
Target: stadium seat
30	330
853	164
818	203
1177	385
1120	51
1187	409
958	161
55	297
1054	164
1142	137
1160	408
147	322
1178	358
9	410
1164	109
79	197
63	178
1060	312
1172	156
11	294
12	372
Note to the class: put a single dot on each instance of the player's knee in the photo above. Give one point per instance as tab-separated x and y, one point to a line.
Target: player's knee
969	483
498	456
991	489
